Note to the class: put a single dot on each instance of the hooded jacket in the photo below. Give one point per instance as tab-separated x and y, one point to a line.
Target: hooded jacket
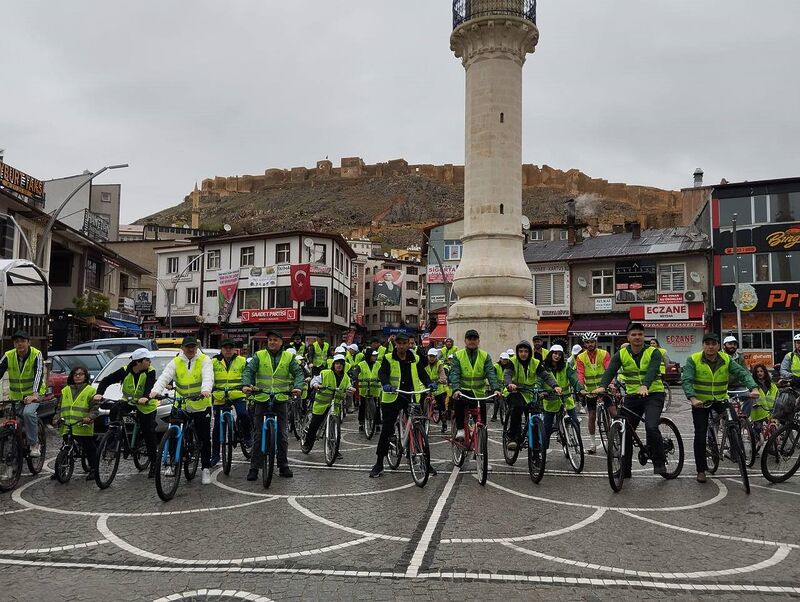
541	372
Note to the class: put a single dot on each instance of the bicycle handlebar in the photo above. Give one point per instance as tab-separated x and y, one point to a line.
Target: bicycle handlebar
412	392
477	398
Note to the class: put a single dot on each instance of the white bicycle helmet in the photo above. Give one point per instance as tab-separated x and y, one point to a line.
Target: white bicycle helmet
589	336
796	337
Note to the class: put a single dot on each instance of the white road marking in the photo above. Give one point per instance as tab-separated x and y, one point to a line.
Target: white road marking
597	515
227	593
72	546
773	489
427	534
321	519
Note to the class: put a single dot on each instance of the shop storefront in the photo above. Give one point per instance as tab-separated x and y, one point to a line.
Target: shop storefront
610	330
678	325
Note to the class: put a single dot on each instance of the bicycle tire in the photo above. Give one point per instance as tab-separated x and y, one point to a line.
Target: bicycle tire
575	453
673	443
167	485
737	454
395	455
482	454
667	398
85	462
537	454
191	452
108	455
614	458
778	461
748	440
369	417
247	450
141	459
291	415
35	465
509	455
333	434
435	415
602	424
226	445
502	409
419	456
458	452
64	465
712	450
268	455
11	455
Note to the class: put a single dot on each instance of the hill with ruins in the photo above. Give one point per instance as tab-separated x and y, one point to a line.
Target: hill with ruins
393	202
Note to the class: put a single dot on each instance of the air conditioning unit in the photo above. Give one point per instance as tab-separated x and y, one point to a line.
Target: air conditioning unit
692	295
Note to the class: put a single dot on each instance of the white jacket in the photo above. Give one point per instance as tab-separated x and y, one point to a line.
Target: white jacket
168	375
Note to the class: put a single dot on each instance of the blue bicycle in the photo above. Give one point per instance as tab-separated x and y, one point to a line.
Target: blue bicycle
269	434
179	448
532	437
231	434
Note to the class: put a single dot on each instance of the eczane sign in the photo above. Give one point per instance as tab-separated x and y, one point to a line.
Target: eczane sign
667	311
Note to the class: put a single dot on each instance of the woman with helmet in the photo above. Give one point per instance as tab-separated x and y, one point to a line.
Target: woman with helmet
566	378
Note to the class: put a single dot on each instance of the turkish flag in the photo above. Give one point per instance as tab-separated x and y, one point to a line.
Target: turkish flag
301	281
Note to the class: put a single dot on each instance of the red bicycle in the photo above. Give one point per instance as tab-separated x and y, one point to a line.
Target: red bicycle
14	447
476	439
410	438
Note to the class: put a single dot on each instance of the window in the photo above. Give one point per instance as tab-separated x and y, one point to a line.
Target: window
279	296
760	206
762	267
757	340
563	235
412	285
411	302
105	197
214	260
211	294
366	285
282	251
172	265
745	265
247	256
338	260
192	296
392	317
412	271
339	304
536	235
602	282
193	263
171	296
740	206
452	250
672	277
60	269
411	319
248	299
366	302
784	206
320	253
94	273
785	267
548	289
319	297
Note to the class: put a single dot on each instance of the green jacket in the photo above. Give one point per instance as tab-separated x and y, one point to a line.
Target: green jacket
734	370
251	369
488	370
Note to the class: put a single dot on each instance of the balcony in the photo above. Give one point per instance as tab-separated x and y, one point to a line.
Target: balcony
464	10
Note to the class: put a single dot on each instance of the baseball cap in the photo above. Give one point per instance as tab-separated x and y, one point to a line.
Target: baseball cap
338	358
711	336
510	352
576	349
730	339
504	356
353	347
339	349
472	333
292	350
141	354
228	343
557	348
189	340
433	351
274	333
20	334
401	336
374	353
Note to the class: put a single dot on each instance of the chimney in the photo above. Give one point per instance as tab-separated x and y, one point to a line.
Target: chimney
636	230
572	236
698	178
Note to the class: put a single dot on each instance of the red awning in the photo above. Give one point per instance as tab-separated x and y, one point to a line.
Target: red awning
439	333
553	327
104	326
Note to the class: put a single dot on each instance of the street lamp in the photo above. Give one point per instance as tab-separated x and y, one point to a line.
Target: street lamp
175	281
21	232
54	216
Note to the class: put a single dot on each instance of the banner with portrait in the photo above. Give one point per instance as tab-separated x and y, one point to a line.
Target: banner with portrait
228	284
387	287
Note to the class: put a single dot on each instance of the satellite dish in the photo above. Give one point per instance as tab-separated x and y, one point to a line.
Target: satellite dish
695	277
308	243
226	227
582	282
186	226
526	223
386	255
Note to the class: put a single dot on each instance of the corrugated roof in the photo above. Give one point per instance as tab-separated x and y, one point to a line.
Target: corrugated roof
659	241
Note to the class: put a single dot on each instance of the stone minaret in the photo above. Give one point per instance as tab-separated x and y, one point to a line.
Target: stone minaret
195	207
492	38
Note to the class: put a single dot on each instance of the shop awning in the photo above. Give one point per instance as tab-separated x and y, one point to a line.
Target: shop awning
552	327
604	327
104	326
132	327
439	333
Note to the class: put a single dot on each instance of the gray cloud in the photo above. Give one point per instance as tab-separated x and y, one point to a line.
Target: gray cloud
641	92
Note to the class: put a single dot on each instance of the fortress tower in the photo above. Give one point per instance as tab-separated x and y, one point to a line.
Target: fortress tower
492	39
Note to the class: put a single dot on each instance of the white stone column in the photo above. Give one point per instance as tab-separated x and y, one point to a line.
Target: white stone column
492	280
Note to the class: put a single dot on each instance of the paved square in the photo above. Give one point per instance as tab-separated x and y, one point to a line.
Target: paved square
334	533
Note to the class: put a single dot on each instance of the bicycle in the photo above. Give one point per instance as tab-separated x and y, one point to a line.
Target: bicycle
121	438
502	408
179	448
410	438
70	450
14	447
569	436
731	436
617	446
602	416
745	429
332	429
531	437
667	395
371	408
476	439
780	458
269	434
230	434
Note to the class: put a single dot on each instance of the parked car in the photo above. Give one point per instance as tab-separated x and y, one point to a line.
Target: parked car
119	344
60	363
672	376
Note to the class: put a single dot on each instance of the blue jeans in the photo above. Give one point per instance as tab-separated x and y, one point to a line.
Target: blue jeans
31	421
245	432
549	420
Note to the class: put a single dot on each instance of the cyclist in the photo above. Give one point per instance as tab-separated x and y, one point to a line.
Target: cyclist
193	373
500	369
449	348
26	383
471	369
137	379
573	356
767	392
705	382
790	365
399	370
78	403
327	384
539	352
387	348
351	355
566	377
272	369
228	368
434	368
524	371
318	353
590	366
367	369
298	345
639	364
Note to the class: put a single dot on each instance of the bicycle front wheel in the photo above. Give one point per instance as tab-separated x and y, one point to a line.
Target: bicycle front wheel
737	453
226	446
369	416
780	457
614	457
667	397
35	465
482	454
268	457
574	446
457	449
395	455
602	424
191	452
108	458
419	455
537	454
244	437
673	448
65	464
140	458
712	450
748	440
509	455
502	409
168	475
333	434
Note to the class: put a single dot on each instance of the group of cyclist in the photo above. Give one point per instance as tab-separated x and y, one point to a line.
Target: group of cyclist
387	372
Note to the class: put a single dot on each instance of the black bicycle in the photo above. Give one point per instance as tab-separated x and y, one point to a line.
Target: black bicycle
180	447
14	446
371	407
120	440
732	440
70	451
780	457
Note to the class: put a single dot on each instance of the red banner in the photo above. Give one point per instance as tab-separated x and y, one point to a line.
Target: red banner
301	281
287	314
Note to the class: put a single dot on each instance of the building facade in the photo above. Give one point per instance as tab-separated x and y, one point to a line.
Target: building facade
93	210
392	294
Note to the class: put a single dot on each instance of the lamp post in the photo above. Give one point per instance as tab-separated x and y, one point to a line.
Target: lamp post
54	216
737	293
444	276
175	281
21	232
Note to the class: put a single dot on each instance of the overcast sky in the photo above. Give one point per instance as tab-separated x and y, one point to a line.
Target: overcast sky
632	91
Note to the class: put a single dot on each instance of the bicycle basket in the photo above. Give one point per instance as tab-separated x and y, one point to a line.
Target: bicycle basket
785	405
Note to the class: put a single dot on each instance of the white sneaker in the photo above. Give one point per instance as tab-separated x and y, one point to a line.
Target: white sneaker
460	435
205	477
169	471
36	451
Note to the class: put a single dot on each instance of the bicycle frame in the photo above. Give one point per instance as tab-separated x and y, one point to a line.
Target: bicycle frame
413	413
269	418
470	442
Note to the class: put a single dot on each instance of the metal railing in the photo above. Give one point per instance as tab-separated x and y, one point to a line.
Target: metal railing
464	10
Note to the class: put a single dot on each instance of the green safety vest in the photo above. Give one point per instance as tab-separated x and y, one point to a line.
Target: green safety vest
372	389
473	378
20	383
794	367
385	350
501	374
764	398
279	379
394	378
448	352
634	375
134	389
433	374
553	404
708	385
320	353
593	372
301	350
189	382
525	377
74	410
359	358
324	397
227	377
